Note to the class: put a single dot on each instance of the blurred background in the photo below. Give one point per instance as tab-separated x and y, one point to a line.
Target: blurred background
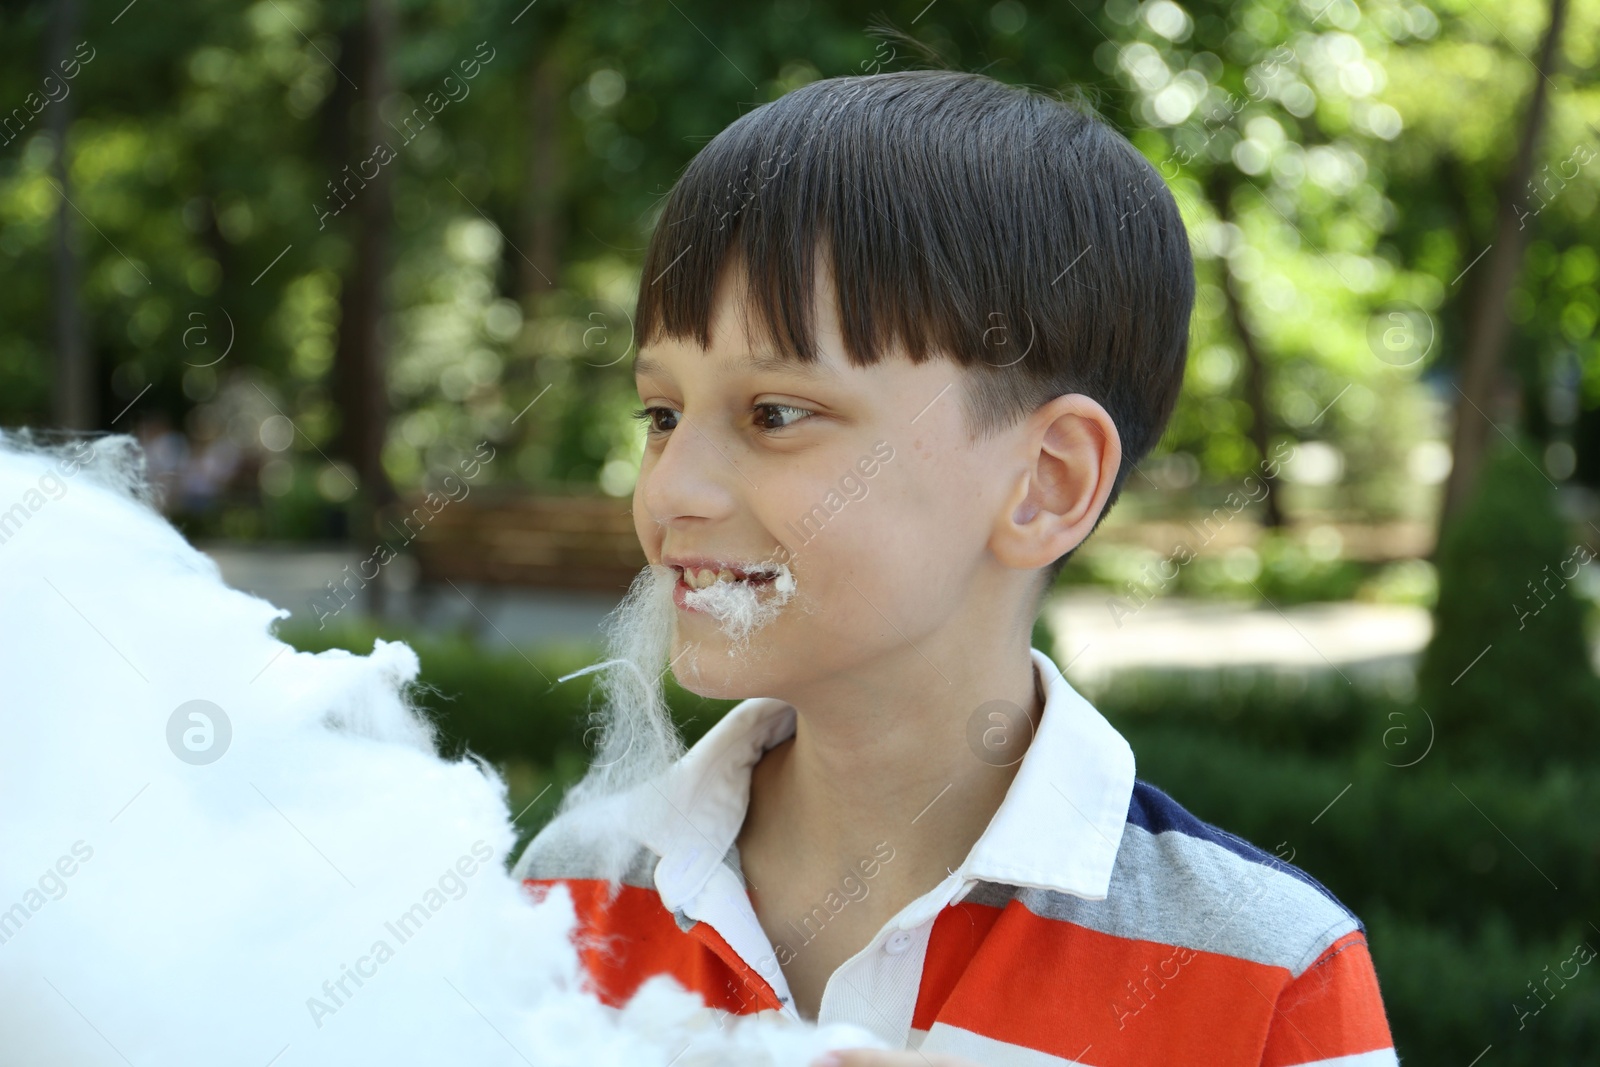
360	275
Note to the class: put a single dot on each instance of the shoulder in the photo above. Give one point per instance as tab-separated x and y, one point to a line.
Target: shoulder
1214	888
1181	881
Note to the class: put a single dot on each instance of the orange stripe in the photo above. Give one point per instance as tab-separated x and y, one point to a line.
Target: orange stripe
1114	1002
634	937
1333	1009
751	991
957	934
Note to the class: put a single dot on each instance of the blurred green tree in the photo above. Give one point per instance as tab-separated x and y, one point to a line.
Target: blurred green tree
1507	675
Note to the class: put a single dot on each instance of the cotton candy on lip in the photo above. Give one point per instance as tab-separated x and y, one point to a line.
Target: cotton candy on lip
741	608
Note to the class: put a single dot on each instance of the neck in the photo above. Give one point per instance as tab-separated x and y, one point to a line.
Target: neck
920	765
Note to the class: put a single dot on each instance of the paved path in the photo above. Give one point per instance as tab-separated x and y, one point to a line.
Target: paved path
1093	642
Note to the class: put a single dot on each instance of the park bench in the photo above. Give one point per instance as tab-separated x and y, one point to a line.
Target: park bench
508	537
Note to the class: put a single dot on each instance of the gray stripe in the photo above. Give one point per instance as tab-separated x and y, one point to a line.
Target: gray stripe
1178	890
559	851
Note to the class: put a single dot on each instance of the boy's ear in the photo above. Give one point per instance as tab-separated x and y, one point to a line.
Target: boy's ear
1072	455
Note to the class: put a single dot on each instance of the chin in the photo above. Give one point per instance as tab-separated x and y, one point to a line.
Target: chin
707	668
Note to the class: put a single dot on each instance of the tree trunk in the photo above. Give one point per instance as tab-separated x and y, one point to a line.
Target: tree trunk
74	393
1219	192
360	382
542	189
1489	327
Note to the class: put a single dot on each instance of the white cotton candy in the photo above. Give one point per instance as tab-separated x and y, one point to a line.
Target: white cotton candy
741	608
184	883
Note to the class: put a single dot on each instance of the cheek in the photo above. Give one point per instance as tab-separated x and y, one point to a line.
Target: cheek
892	554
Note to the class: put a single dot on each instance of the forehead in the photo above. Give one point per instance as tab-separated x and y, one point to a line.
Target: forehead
741	342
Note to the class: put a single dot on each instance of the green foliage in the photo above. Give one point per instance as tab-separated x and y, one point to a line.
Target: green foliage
1354	148
1508	670
1043	639
1450	996
1282	568
1314	715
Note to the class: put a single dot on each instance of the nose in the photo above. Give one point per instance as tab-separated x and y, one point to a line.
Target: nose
693	477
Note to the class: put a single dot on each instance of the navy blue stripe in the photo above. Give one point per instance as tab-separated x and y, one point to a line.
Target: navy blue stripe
1154	811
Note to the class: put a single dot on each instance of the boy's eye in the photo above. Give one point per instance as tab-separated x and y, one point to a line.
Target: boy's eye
769	418
780	410
648	417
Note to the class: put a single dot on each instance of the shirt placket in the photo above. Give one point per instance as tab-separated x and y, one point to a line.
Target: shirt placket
877	987
724	904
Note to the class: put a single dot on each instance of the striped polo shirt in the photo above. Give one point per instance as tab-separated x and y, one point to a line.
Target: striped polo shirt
1094	922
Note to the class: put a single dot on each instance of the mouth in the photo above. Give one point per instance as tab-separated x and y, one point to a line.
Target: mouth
739	596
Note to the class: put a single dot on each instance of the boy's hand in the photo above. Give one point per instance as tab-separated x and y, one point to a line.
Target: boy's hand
865	1057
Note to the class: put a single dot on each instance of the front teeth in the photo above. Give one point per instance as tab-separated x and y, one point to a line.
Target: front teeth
705	578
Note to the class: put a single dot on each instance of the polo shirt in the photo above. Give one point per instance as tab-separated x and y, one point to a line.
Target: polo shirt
1094	921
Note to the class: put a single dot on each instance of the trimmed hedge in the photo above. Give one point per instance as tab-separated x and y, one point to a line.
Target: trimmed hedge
1508	665
1451	996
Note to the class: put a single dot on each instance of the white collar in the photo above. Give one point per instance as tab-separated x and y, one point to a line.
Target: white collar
1058	827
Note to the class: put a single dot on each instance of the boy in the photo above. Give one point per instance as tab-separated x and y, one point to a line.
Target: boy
971	308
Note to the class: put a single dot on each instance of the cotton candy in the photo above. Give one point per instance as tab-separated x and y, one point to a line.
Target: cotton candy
216	849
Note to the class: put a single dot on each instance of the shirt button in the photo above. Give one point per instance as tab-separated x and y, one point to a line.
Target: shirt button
897	942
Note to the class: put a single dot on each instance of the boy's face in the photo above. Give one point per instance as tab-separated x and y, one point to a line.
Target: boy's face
864	482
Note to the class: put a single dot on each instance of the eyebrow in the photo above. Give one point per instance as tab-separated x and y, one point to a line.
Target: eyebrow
765	361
